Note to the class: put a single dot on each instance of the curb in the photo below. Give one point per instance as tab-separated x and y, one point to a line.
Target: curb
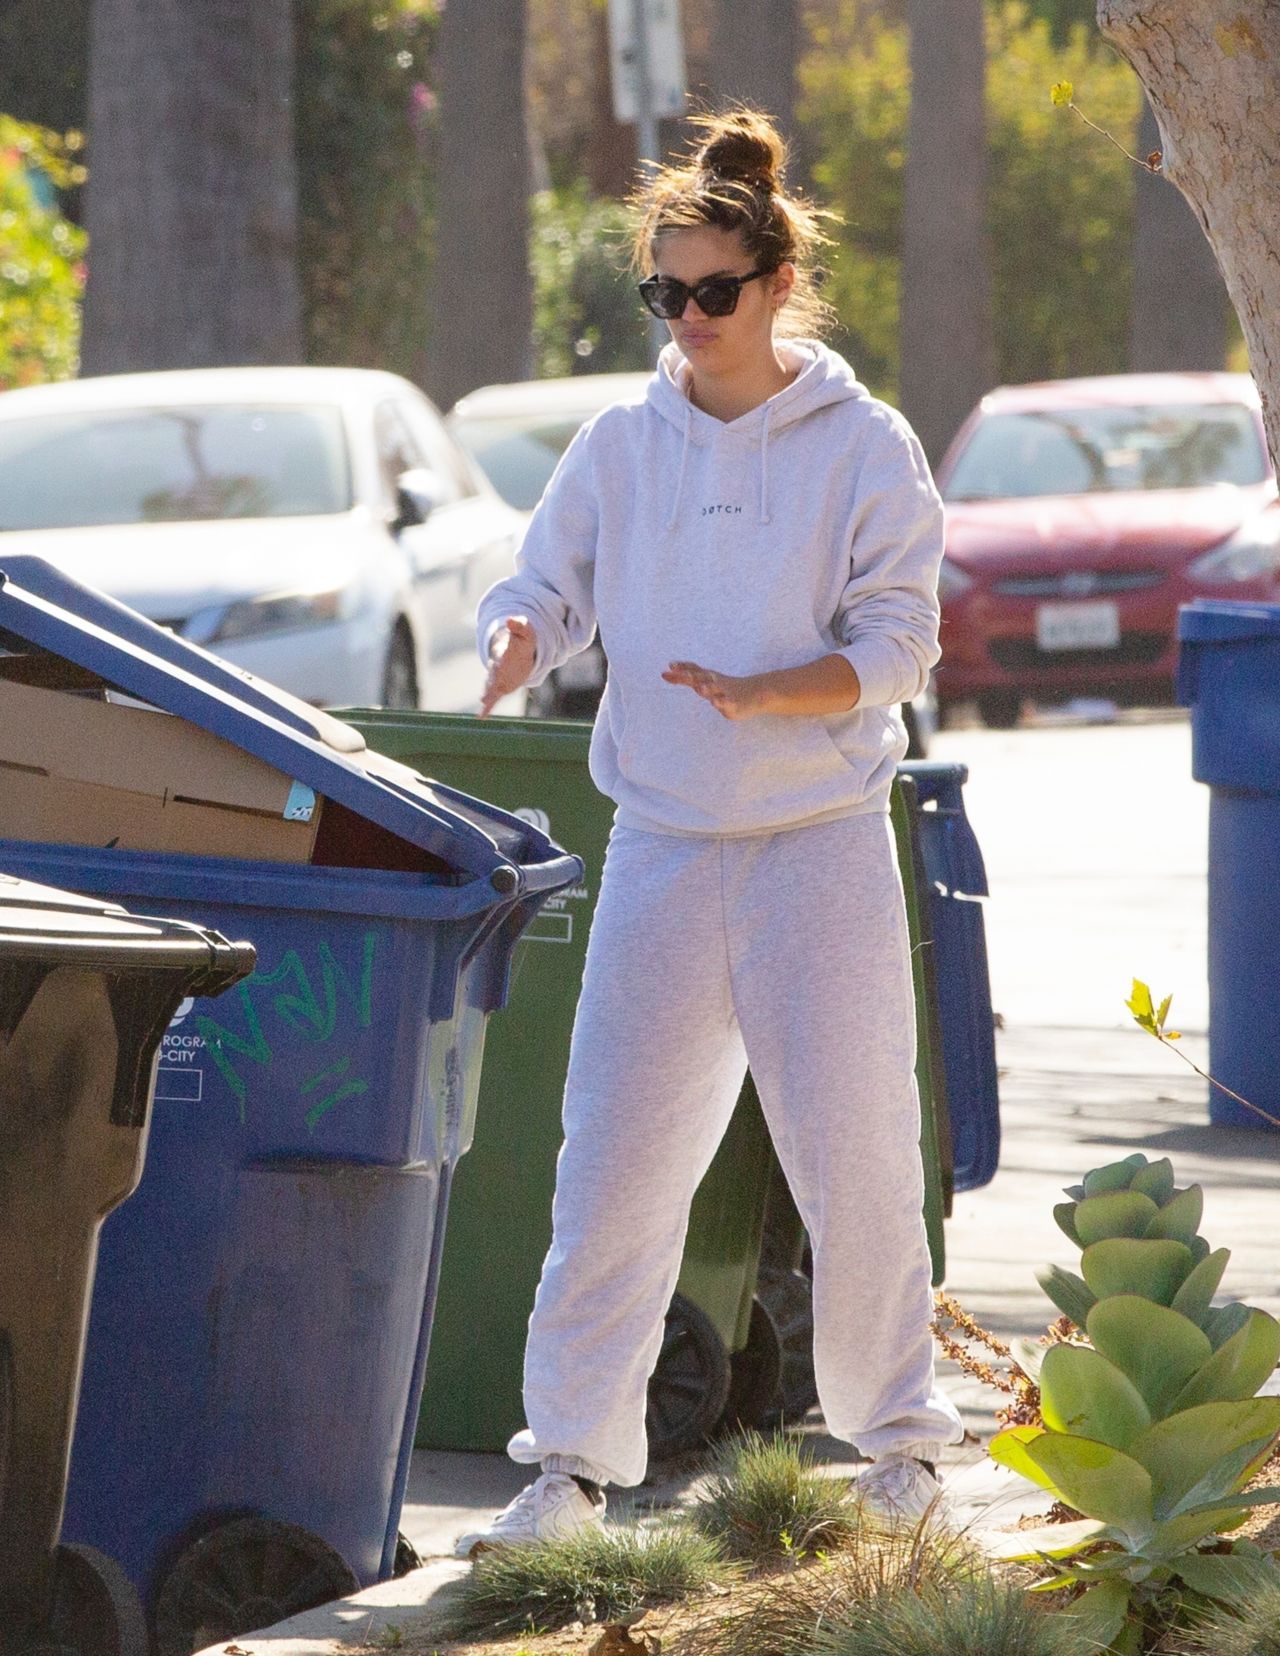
415	1600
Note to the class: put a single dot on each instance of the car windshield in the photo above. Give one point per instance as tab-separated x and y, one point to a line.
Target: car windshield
519	453
1073	451
171	465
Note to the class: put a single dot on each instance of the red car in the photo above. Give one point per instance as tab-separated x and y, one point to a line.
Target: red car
1080	514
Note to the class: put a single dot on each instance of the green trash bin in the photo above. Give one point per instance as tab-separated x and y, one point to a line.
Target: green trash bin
724	1352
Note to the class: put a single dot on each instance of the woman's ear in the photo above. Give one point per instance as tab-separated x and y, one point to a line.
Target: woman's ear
784	279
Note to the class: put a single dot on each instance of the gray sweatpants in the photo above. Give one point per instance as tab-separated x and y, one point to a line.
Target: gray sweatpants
788	951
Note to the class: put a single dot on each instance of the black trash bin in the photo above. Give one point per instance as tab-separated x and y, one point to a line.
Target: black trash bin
86	993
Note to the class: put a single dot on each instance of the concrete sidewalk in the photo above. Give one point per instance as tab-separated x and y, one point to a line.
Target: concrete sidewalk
1095	846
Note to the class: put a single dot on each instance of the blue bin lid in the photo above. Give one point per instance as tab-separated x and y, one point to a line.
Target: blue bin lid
1220	621
46	608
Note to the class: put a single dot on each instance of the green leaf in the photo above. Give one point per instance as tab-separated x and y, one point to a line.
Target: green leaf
1199	1248
1098	1615
1049	1541
1141	1004
1195	1297
1117	1213
1114	1176
1224	1321
1065	1215
1162	1011
1126	1265
1234	1578
1237	1368
1158	1348
1179	1218
1155	1180
1009	1448
1068	1292
1097	1480
1076	1192
1029	1355
1215	1442
1080	1391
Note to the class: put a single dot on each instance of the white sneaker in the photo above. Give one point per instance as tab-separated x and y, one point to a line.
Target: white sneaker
549	1509
898	1489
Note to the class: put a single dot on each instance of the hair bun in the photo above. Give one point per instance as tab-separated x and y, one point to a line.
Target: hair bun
744	147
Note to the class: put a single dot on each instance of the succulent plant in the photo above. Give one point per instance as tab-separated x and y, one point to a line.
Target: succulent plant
1154	1428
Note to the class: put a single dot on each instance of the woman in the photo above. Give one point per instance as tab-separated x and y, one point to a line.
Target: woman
758	541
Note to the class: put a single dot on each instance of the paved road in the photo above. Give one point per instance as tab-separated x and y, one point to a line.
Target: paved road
1095	842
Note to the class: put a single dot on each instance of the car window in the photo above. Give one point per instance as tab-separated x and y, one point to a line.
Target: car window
444	457
171	465
519	453
1073	451
398	449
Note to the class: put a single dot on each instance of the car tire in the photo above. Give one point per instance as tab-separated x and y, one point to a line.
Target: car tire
400	675
999	709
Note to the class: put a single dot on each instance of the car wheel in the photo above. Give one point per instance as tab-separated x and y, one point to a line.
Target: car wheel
400	676
999	709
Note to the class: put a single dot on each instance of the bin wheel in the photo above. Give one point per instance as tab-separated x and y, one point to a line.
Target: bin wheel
96	1611
755	1376
689	1386
407	1557
244	1576
788	1298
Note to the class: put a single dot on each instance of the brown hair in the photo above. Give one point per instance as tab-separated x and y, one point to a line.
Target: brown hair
735	179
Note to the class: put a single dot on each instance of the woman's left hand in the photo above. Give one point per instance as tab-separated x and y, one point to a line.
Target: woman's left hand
734	698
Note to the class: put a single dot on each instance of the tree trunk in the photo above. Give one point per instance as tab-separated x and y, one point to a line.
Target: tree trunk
611	146
1210	68
947	330
1179	307
482	291
192	194
755	47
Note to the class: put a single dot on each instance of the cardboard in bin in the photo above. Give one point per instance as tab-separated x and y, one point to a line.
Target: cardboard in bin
367	812
78	768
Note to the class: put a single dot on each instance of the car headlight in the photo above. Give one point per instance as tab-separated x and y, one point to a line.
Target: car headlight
952	580
1251	554
276	612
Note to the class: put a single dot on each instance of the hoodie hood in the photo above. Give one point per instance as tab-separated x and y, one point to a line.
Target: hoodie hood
823	378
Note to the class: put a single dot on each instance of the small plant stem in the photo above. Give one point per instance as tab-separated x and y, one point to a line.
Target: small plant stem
1213	1081
1111	139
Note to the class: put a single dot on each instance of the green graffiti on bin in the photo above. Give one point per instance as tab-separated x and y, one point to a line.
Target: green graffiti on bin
316	1018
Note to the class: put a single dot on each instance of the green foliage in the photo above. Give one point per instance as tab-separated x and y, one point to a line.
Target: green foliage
41	256
587	318
1251	1630
595	1575
982	1616
1060	199
1154	1429
765	1500
365	121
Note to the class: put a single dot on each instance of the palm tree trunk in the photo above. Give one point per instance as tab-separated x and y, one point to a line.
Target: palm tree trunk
755	47
192	194
482	291
948	340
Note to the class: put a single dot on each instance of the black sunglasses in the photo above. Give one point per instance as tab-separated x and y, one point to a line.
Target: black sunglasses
716	295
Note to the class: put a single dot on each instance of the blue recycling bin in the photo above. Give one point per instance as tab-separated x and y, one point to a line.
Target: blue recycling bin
957	880
260	1321
1229	676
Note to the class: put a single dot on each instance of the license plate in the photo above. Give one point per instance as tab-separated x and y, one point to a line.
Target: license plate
1078	626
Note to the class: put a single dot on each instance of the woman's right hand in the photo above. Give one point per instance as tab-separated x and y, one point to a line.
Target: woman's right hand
512	652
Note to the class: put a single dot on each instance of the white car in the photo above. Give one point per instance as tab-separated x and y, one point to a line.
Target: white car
517	433
317	527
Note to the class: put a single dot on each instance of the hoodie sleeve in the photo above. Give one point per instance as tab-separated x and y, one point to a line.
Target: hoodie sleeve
888	612
555	568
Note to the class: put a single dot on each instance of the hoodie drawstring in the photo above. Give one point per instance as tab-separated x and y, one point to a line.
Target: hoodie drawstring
764	463
684	455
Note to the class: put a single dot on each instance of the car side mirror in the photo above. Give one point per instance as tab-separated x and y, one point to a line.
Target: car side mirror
418	493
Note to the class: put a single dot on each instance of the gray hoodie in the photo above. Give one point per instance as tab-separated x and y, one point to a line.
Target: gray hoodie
809	526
